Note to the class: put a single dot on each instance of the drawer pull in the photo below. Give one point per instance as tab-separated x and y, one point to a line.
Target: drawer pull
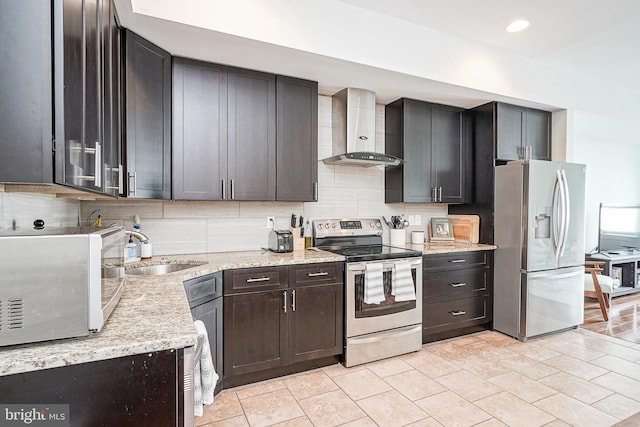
457	285
458	313
457	261
293	300
323	273
259	279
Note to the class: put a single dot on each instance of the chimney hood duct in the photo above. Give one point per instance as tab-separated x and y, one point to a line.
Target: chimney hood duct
354	130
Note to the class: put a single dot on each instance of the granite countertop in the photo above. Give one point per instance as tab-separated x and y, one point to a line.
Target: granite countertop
152	315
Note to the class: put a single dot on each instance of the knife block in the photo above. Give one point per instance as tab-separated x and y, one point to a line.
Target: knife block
298	238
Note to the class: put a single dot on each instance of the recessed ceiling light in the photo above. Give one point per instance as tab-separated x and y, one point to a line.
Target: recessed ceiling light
518	25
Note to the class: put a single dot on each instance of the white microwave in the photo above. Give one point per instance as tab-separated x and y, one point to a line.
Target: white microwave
58	282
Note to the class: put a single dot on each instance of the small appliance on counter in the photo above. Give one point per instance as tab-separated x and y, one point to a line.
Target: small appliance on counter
280	241
58	282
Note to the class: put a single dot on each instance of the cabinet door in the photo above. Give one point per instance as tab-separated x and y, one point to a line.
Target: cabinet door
148	119
112	159
417	140
212	316
255	332
251	135
538	134
297	140
447	167
510	131
25	92
315	322
139	390
199	130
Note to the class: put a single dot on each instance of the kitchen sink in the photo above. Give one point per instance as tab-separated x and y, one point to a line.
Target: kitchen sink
159	269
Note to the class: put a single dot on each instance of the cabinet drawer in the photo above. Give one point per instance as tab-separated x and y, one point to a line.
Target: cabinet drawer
456	260
255	279
454	284
454	314
316	273
204	288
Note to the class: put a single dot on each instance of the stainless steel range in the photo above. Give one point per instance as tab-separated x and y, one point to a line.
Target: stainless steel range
383	289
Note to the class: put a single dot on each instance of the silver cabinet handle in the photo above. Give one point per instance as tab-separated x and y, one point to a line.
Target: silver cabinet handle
258	279
439	194
315	191
120	172
135	183
224	189
457	285
457	313
97	167
457	261
434	194
322	273
293	300
284	301
233	193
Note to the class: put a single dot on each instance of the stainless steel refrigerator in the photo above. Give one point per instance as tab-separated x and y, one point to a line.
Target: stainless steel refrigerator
539	263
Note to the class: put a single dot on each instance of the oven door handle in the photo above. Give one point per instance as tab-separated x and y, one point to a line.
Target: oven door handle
358	268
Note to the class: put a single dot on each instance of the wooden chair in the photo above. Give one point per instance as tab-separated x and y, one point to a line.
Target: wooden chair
596	286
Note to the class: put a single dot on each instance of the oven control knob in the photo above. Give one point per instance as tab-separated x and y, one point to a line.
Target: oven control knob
372	224
378	224
333	226
327	225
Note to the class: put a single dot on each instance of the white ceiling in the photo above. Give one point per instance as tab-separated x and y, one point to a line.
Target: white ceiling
593	39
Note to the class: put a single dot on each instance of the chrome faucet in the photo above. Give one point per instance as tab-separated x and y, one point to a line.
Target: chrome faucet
138	235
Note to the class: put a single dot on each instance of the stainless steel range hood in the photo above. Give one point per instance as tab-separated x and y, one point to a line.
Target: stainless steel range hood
354	130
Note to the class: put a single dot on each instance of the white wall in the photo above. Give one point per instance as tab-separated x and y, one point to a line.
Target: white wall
612	156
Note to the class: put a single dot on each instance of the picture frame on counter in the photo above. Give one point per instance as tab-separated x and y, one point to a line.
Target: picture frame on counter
441	230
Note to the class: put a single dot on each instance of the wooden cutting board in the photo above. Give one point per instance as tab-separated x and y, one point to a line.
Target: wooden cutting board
466	228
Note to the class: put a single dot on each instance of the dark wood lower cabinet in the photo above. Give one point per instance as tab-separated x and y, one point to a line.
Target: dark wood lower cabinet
457	294
279	320
144	389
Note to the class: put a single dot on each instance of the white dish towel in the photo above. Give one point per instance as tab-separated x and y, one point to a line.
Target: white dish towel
373	286
204	376
402	282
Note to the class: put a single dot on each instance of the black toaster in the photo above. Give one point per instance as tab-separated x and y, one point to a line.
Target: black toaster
280	241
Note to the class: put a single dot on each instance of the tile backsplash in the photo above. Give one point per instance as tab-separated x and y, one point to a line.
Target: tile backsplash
20	210
182	227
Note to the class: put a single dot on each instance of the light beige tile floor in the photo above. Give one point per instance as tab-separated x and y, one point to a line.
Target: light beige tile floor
573	378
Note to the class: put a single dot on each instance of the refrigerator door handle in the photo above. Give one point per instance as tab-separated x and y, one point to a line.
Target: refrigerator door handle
566	210
557	219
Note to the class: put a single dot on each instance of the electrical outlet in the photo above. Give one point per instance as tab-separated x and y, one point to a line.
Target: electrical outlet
418	220
271	222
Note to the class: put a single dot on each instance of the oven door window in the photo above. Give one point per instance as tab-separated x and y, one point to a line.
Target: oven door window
388	306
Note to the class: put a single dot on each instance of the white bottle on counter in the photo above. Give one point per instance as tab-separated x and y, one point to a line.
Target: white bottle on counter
131	251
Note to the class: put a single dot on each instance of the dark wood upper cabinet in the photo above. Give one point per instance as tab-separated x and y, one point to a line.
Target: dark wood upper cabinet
26	122
239	135
224	135
522	132
251	134
433	141
147	142
297	139
56	125
199	130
